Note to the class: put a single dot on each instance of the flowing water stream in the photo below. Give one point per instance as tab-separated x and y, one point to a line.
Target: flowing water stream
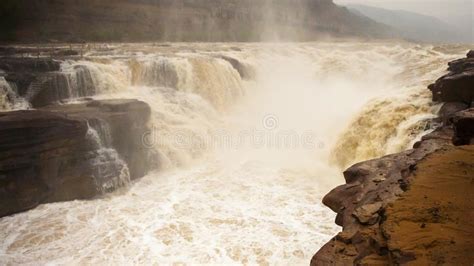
246	150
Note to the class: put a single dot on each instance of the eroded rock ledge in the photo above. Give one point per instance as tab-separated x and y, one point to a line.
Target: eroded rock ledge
413	207
67	152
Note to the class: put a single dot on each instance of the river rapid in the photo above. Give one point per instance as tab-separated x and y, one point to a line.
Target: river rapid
248	138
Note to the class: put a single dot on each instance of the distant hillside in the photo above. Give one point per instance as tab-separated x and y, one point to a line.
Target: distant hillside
180	20
412	25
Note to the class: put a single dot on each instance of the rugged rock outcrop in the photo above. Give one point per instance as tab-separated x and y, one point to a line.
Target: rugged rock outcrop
40	82
121	124
406	207
180	20
424	219
464	127
246	72
457	85
360	204
31	65
25	72
69	152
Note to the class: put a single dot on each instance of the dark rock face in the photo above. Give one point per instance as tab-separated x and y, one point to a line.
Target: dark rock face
246	72
24	72
363	204
126	121
70	152
456	86
34	146
40	82
29	65
197	20
470	54
464	127
370	187
448	110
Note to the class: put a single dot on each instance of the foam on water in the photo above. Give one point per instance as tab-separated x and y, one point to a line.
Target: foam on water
107	157
219	197
207	214
9	99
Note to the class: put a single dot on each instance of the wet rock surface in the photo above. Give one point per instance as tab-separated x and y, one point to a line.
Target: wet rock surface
246	72
125	123
68	152
387	204
40	82
457	85
464	127
32	65
449	110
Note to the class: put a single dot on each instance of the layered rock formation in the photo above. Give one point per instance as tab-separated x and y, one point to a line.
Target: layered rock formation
457	85
67	152
40	82
180	20
413	207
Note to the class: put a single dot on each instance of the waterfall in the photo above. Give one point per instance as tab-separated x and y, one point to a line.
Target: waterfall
226	194
187	90
5	91
111	171
88	78
388	125
212	78
9	99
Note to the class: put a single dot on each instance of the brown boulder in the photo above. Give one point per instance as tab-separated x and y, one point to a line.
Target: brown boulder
470	54
457	85
454	87
448	110
461	64
368	214
245	71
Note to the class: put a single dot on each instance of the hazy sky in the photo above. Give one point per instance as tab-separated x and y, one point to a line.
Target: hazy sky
456	12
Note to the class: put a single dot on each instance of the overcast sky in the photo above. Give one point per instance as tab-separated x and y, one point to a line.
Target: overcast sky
457	12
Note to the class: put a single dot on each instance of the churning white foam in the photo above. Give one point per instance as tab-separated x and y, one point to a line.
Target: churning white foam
229	191
9	99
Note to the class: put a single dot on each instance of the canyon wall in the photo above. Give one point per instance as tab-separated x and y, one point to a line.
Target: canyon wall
182	20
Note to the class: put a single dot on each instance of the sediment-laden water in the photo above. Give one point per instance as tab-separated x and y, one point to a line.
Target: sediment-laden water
248	137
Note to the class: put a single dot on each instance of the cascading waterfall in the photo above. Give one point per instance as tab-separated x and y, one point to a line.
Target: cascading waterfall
4	94
227	193
389	125
212	78
392	122
9	99
88	78
112	171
